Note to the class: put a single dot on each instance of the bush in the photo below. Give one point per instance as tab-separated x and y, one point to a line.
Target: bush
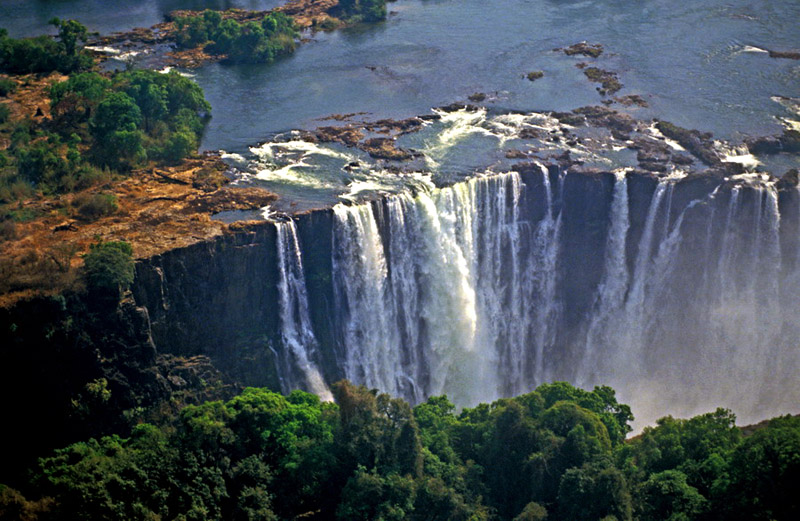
8	230
249	42
7	86
94	206
5	113
109	267
45	54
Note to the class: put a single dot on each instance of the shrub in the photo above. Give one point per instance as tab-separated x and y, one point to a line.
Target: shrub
108	267
7	86
45	54
94	206
5	113
8	230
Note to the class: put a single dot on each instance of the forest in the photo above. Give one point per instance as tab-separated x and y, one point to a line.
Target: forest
557	453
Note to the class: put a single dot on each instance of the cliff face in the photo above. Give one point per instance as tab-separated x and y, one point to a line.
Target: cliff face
216	298
220	298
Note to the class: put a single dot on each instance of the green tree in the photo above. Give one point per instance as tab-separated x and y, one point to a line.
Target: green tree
115	127
109	267
765	470
668	496
593	492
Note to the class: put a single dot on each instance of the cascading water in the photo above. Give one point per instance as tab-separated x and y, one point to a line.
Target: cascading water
613	286
461	290
296	333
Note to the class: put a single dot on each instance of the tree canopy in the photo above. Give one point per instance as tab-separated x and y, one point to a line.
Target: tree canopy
548	454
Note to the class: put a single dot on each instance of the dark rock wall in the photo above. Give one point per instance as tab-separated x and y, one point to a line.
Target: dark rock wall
220	298
217	298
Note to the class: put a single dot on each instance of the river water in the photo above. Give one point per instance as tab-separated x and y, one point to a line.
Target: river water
692	62
697	63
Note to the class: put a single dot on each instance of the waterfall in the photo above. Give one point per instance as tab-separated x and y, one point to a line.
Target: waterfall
460	290
613	286
543	274
297	336
372	354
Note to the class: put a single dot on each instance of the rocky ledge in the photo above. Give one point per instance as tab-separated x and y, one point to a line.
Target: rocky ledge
159	209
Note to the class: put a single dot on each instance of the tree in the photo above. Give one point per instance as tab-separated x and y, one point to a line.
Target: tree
667	496
115	128
109	267
765	470
73	101
593	492
70	32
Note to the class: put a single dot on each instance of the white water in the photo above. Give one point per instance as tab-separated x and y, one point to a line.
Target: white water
298	338
613	286
459	291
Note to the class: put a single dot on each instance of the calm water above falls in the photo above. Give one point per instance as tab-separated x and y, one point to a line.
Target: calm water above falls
691	61
695	62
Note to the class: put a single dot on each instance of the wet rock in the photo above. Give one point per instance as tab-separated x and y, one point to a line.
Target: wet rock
696	142
585	49
535	75
569	118
529	133
620	125
392	126
477	97
631	100
789	55
652	155
790	179
453	107
347	135
384	148
608	80
515	153
789	141
682	160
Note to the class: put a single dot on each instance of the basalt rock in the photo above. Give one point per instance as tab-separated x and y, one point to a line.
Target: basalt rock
384	148
698	143
585	49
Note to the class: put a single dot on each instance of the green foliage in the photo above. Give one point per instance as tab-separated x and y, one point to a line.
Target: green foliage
102	125
543	455
44	54
532	512
248	42
593	491
764	472
363	10
109	267
668	496
7	86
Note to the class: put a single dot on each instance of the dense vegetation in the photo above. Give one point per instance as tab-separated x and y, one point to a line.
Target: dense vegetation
45	54
363	10
101	124
557	453
248	42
